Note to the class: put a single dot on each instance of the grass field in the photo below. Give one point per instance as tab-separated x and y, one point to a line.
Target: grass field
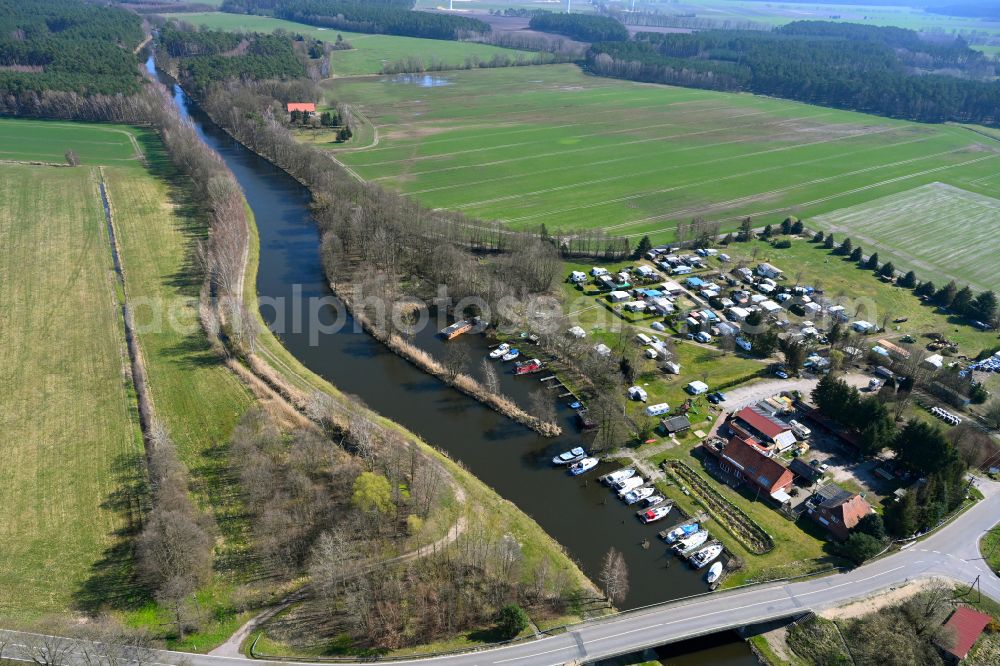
48	141
935	230
71	436
552	145
370	52
73	447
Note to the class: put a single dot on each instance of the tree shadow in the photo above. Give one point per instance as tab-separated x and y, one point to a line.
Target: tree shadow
112	582
192	352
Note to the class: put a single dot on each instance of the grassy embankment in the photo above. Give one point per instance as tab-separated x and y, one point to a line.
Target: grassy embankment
370	52
551	145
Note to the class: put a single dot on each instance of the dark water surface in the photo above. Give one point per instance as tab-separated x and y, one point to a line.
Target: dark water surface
579	513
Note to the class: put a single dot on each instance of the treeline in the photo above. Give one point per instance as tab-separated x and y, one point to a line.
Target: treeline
69	46
582	27
886	71
388	18
685	21
205	56
980	308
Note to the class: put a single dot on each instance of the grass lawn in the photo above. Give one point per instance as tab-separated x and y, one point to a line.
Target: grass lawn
551	145
48	141
990	547
842	281
370	52
71	437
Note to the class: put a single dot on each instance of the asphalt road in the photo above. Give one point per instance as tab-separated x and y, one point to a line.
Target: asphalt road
952	552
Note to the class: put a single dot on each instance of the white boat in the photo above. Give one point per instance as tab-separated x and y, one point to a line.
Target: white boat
637	494
571	456
706	555
585	465
500	351
511	354
714	572
691	542
628	485
654	514
680	532
652	501
616	476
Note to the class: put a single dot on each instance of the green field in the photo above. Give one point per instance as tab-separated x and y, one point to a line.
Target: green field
48	141
72	446
551	145
936	230
370	52
71	436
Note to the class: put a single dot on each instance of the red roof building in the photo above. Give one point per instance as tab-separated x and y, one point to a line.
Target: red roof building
305	107
967	625
765	475
749	423
838	510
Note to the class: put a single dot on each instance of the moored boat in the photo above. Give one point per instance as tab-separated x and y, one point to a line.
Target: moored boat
618	475
714	572
652	501
527	367
511	354
689	543
628	485
571	456
634	496
502	349
705	555
654	514
456	329
585	465
680	532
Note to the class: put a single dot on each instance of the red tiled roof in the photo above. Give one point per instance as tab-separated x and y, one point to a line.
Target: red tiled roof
765	472
301	106
761	423
968	624
853	510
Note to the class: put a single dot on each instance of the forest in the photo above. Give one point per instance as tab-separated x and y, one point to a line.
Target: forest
582	27
205	56
886	71
69	46
389	18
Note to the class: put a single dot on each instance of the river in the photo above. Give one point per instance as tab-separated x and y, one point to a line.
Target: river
511	458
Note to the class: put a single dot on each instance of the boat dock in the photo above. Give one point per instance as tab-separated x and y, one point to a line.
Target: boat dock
458	328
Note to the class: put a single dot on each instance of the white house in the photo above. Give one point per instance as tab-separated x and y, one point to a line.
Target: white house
767	270
618	296
577	332
577	277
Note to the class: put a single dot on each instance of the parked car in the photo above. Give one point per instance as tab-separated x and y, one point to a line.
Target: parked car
781	374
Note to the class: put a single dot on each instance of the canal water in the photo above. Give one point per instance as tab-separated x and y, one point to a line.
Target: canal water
579	513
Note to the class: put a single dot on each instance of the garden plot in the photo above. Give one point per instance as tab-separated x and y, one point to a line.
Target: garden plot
940	231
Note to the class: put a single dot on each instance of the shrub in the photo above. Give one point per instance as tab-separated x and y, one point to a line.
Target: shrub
511	621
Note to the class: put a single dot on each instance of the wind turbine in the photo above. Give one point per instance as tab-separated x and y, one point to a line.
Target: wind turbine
569	6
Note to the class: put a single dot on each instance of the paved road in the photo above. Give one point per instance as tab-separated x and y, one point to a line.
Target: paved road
952	552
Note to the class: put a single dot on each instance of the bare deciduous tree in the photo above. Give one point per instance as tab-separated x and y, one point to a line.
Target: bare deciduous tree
614	576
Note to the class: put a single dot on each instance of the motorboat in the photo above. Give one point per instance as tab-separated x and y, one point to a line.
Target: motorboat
585	465
654	514
618	475
500	350
628	485
652	501
638	494
705	555
714	572
571	456
511	354
575	404
527	367
691	542
680	532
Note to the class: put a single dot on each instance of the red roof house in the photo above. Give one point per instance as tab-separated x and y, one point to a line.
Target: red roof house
838	510
306	107
763	474
750	423
967	625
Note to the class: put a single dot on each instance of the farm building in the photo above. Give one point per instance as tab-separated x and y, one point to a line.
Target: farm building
838	510
746	463
307	108
759	427
962	630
